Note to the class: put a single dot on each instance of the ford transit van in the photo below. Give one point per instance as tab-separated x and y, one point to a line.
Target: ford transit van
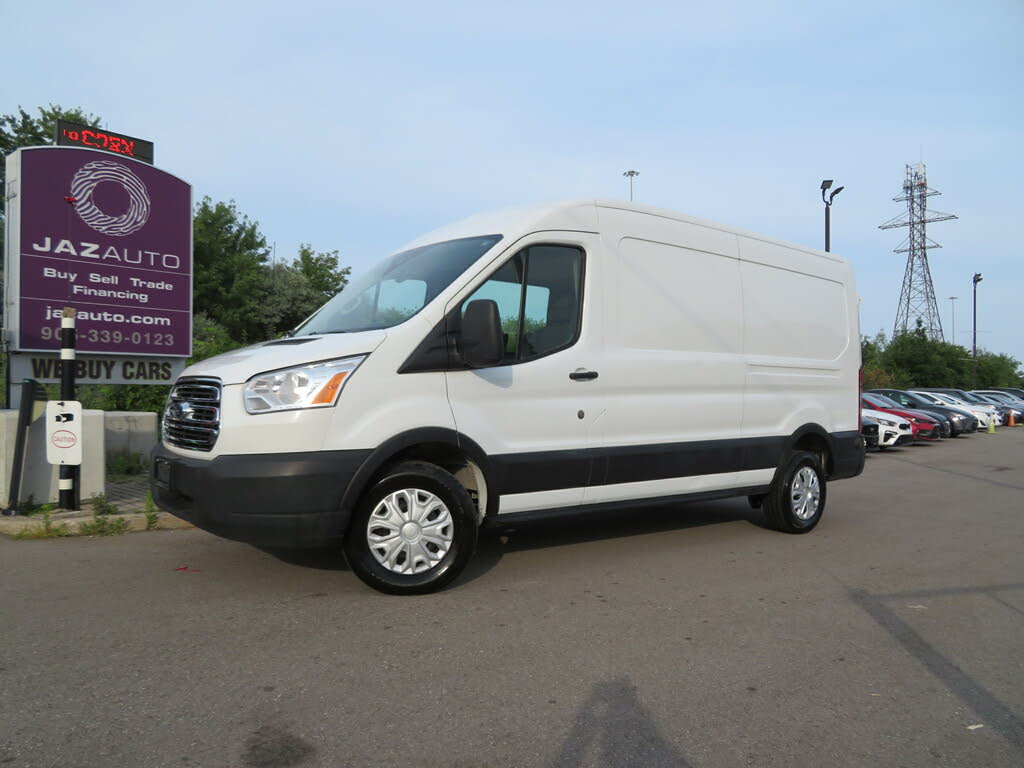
558	357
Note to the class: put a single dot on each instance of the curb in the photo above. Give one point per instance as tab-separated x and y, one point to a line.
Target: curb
18	525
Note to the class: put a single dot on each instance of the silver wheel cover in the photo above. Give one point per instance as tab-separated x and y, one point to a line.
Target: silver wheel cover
805	494
410	531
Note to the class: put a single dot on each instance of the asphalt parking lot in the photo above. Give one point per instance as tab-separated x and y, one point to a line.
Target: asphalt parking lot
891	635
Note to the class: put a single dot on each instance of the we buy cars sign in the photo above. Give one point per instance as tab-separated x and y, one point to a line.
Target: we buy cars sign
107	235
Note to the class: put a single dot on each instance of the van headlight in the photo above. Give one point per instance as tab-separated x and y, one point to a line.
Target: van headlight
316	385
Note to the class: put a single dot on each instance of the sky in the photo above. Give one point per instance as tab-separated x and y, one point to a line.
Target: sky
359	126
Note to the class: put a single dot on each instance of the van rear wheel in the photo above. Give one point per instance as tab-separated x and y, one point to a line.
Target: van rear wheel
413	532
796	499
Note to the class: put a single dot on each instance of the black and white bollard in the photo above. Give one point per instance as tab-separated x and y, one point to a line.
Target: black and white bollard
67	392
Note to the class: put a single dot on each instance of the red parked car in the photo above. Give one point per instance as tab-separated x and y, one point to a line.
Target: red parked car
923	426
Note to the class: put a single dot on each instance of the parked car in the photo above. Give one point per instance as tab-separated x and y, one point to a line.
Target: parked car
984	412
869	428
1003	401
1006	397
979	416
1015	391
459	383
959	423
945	425
969	397
925	427
1001	409
893	430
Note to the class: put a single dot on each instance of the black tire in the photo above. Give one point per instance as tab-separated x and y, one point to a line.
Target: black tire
430	479
778	503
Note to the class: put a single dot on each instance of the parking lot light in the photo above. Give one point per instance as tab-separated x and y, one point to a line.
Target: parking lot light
826	185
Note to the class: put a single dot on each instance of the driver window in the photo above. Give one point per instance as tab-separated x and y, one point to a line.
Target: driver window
539	294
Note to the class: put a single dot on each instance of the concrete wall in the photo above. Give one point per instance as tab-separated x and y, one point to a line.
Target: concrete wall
129	432
39	478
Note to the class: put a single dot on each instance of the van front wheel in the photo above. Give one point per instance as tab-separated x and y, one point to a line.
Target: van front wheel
796	499
413	532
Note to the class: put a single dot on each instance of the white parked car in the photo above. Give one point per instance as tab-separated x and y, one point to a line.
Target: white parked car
1004	398
568	356
983	413
892	430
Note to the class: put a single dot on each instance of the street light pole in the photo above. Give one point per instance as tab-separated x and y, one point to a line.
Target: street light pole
952	309
974	353
631	174
825	186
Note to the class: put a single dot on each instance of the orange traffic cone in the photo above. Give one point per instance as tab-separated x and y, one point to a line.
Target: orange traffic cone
1011	422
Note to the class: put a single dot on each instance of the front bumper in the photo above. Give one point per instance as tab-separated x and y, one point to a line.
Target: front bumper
271	499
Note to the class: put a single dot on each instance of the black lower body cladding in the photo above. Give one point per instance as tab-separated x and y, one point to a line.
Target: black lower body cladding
271	499
305	499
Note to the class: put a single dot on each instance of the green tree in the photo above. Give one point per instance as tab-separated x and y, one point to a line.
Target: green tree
230	282
291	298
998	370
322	271
23	130
914	360
298	289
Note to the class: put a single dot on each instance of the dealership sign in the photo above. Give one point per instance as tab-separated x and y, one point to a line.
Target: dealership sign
107	235
46	368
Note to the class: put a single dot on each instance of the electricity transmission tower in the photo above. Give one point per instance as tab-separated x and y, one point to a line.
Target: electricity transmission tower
917	299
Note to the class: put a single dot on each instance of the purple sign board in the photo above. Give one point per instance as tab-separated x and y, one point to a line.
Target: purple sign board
109	236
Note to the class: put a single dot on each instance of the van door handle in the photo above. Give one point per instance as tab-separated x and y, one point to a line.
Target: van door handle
583	375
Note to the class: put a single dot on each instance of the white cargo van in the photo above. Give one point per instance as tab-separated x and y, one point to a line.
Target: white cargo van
562	357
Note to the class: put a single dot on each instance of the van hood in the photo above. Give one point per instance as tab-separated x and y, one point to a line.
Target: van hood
240	365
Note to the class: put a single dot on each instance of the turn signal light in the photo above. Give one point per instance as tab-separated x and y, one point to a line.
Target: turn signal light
329	392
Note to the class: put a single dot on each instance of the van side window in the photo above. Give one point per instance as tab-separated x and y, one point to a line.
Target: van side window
539	294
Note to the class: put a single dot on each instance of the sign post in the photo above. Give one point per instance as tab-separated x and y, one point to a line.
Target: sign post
67	393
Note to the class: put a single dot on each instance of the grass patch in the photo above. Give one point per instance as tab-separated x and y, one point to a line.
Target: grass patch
125	463
46	530
104	526
101	506
30	508
150	512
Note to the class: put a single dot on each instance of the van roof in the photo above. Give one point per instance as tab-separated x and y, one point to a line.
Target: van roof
580	214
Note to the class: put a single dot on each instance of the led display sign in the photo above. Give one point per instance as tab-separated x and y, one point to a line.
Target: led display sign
75	135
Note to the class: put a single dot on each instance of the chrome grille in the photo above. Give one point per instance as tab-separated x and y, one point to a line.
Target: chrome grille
192	415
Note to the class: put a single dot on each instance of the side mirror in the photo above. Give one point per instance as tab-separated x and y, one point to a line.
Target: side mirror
481	341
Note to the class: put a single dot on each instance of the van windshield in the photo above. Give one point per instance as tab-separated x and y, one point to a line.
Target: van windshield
398	287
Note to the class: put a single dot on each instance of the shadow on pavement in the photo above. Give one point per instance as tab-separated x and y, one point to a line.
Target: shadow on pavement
565	528
616	729
560	529
323	559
